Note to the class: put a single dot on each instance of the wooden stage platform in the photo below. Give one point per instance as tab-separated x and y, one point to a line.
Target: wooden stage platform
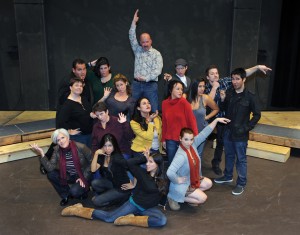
271	139
19	129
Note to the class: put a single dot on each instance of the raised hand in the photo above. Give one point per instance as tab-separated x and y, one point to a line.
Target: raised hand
122	118
147	152
152	116
37	149
167	76
135	17
107	91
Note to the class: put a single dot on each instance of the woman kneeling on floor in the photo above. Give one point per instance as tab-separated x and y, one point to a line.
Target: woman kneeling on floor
140	209
187	184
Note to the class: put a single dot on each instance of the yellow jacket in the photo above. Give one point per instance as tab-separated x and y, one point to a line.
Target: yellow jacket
143	139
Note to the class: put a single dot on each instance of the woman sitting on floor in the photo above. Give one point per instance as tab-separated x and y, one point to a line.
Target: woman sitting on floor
112	166
70	164
140	209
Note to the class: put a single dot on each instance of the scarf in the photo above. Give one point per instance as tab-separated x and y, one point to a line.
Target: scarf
194	166
62	163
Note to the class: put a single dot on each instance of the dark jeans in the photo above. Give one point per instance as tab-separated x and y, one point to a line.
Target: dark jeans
219	147
84	139
156	217
172	147
235	151
148	90
107	194
74	190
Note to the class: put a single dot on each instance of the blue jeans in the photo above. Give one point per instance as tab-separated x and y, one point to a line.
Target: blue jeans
84	139
74	190
148	90
235	150
107	194
156	217
172	147
200	149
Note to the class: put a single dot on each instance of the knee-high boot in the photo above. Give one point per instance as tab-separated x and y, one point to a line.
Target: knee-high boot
78	210
141	221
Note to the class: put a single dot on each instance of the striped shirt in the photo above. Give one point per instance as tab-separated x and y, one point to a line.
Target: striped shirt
70	164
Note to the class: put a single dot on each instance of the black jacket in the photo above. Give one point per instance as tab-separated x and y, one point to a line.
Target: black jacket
146	193
238	107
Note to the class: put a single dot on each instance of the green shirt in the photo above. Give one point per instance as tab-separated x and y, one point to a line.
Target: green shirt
97	85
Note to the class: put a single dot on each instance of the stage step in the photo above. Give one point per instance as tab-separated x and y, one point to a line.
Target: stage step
23	150
266	151
283	136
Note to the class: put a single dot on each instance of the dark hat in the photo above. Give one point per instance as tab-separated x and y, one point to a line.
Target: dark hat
181	62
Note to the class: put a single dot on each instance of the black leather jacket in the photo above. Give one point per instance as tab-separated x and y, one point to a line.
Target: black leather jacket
238	107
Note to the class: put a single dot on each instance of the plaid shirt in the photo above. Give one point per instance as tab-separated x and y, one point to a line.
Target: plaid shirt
225	83
147	64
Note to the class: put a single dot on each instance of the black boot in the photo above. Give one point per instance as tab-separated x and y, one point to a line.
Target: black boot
217	170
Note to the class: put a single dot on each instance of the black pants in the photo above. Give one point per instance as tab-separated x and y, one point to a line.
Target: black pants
71	189
107	194
219	147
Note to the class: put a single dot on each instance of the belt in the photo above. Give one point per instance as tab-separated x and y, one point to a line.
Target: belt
142	81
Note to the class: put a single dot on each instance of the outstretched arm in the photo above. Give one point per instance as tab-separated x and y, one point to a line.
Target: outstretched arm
256	68
132	34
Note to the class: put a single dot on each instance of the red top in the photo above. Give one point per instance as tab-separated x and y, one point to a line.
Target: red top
176	114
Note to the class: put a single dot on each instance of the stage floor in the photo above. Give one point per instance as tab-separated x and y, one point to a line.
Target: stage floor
269	205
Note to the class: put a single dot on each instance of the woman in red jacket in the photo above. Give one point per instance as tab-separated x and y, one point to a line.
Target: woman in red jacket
176	114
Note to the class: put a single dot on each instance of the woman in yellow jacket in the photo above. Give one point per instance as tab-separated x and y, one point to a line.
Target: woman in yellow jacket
146	127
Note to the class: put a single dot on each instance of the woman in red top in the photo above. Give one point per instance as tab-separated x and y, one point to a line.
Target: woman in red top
176	114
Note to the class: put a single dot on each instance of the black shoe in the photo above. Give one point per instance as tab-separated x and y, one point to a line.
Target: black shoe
217	170
223	180
43	170
64	201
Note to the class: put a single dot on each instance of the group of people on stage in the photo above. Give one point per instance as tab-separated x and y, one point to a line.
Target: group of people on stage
111	139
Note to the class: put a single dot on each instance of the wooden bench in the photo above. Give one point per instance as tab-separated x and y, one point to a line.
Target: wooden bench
22	150
266	151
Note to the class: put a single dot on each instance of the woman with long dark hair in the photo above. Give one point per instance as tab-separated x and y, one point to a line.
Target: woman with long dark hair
199	103
112	166
147	128
140	209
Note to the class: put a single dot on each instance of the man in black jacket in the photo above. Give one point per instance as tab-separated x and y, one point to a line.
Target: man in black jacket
238	103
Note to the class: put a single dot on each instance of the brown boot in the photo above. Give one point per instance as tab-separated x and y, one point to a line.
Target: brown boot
78	210
141	221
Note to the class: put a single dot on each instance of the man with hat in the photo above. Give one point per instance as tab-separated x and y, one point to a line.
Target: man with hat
181	67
